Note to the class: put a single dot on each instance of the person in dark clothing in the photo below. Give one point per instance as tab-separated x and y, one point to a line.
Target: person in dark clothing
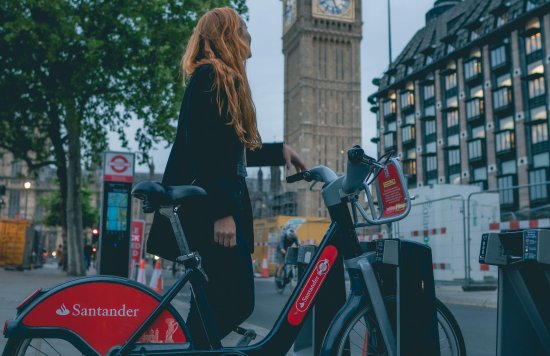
216	137
288	238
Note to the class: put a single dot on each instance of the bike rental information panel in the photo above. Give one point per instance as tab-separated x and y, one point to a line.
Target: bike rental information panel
114	241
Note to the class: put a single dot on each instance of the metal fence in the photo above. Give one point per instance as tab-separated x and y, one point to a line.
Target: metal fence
452	225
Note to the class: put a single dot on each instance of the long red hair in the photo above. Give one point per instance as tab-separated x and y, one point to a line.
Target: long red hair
218	40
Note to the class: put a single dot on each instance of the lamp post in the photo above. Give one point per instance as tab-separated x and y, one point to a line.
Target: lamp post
27	186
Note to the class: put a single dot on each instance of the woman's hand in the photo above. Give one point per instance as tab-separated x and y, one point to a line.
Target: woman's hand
225	232
291	157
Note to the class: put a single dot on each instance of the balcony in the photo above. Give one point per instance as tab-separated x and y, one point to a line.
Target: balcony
476	150
408	134
504	142
534	56
474	109
502	99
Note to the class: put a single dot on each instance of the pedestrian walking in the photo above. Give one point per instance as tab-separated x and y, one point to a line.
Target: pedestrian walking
59	256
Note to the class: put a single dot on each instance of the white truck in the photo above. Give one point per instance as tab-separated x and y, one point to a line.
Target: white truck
439	218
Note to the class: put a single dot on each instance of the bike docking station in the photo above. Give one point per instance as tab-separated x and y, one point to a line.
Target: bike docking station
402	270
523	311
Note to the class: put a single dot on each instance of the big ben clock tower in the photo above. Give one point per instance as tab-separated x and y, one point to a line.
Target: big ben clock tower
321	45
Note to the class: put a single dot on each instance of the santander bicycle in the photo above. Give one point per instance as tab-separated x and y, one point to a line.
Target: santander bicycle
105	315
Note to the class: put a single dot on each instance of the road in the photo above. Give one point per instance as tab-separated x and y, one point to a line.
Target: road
478	324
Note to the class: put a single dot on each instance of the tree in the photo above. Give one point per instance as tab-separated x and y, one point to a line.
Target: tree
52	205
74	70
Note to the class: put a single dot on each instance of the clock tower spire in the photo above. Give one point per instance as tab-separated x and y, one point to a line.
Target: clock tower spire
321	46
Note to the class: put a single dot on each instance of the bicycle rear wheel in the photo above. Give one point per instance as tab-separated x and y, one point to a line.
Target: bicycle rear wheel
365	338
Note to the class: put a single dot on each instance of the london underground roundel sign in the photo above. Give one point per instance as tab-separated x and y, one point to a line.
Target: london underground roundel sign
119	167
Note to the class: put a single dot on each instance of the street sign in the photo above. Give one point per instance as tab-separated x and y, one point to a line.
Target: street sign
118	167
136	240
114	240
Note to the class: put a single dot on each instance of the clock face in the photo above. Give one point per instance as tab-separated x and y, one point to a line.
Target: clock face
334	7
289	12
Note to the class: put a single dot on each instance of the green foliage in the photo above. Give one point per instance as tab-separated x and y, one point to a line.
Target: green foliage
106	62
52	206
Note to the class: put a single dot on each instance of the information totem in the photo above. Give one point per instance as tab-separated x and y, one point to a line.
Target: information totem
116	211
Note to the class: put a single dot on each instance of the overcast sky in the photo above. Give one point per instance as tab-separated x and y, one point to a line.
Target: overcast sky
265	68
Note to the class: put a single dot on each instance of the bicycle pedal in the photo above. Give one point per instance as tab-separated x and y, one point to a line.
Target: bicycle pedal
247	336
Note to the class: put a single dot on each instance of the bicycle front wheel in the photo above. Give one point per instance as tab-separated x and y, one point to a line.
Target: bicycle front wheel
361	336
38	346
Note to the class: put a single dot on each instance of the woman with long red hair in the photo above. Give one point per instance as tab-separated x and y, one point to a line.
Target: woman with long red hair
217	132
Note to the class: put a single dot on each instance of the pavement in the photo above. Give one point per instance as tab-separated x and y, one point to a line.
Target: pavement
15	286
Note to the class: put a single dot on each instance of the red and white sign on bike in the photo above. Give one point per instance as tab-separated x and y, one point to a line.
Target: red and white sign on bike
118	167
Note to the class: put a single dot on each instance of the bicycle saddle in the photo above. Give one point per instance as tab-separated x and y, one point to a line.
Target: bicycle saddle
155	194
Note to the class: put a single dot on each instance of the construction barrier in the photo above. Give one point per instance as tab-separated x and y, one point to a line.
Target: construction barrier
16	243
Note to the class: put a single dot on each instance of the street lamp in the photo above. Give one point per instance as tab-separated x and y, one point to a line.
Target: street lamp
27	186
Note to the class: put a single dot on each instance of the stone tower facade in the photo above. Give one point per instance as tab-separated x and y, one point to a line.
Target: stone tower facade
321	45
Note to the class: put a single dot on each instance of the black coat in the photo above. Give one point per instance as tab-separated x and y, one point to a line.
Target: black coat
206	152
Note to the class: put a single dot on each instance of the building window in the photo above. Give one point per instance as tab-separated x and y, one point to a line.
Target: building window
429	127
531	4
504	80
409	70
539	134
389	107
454	178
13	204
409	119
538	192
508	167
454	157
498	57
506	195
472	69
476	92
502	19
536	87
480	174
431	163
541	160
389	140
392	79
452	118
408	134
16	168
409	167
391	126
474	108
429	111
506	123
407	99
450	48
478	132
475	149
538	113
430	148
504	141
474	34
533	43
428	60
450	81
502	97
429	91
453	141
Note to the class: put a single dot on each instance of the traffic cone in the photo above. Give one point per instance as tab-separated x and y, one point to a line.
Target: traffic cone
156	279
141	272
265	271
